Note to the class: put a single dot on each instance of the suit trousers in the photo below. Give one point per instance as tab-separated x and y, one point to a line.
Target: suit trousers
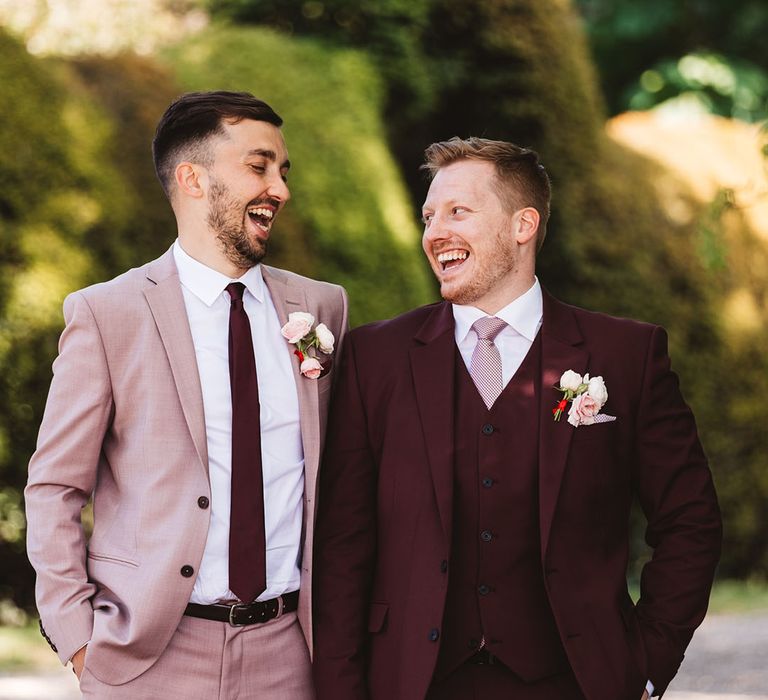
497	682
209	660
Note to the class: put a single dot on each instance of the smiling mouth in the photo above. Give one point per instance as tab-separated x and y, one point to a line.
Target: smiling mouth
452	259
261	216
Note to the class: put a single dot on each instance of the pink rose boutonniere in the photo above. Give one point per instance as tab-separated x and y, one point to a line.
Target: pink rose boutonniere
586	396
299	332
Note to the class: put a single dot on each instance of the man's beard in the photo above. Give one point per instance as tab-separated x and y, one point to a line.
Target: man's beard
241	249
498	264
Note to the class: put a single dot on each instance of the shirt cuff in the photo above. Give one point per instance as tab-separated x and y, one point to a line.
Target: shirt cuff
649	687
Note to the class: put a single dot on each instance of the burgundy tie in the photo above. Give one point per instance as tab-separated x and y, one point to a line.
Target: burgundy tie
247	541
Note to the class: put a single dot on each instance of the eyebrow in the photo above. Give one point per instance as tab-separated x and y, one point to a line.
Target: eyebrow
269	155
453	201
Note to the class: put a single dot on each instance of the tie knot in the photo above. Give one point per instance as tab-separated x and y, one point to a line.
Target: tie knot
236	290
488	327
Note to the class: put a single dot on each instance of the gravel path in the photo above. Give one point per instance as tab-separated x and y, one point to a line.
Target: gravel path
727	660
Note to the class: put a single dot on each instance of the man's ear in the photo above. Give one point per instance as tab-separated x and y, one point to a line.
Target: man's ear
191	180
526	225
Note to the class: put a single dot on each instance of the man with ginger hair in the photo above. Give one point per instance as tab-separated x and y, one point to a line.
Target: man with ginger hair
482	456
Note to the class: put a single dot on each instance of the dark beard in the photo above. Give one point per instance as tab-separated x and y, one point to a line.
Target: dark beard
242	250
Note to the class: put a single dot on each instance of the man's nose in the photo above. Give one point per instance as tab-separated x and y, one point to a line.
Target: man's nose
436	230
278	188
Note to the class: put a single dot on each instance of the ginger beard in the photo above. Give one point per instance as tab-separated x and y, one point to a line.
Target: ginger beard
490	263
242	248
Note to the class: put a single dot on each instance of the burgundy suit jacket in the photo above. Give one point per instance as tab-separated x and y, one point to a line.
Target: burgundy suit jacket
385	508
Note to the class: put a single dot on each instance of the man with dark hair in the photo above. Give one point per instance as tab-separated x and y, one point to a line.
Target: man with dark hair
189	401
482	457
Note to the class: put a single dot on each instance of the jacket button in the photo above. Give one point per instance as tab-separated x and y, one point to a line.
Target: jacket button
187	571
486	536
444	566
434	634
488	429
203	502
487	482
482	589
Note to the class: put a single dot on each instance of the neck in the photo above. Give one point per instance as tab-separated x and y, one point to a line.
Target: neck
498	298
210	255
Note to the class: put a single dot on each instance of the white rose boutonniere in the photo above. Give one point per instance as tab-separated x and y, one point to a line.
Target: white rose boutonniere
324	338
586	396
299	332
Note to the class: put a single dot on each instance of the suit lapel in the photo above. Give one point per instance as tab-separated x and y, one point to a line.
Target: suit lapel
166	303
560	351
432	366
288	298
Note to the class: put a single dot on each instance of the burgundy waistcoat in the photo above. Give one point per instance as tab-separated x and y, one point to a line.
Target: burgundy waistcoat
495	586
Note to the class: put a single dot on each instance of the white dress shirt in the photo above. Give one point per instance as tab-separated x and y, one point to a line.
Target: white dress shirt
523	317
208	303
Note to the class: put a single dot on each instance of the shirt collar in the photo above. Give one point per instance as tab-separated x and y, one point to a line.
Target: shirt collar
524	315
206	283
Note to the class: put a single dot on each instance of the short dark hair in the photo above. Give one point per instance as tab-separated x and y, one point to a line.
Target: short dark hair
184	129
521	180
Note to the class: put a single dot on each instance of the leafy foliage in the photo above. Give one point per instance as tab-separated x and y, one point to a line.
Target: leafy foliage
629	38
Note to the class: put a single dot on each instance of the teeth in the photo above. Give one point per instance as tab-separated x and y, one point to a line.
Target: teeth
452	255
260	211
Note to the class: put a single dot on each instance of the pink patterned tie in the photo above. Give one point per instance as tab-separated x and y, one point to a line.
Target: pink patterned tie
485	367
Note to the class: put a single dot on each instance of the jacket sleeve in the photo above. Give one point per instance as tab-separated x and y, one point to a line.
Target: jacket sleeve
345	543
684	526
62	475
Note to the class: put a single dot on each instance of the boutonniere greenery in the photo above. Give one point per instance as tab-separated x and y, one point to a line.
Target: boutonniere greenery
299	332
586	396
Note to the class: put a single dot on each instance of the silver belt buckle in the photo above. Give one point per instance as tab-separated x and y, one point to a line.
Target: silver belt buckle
232	615
280	606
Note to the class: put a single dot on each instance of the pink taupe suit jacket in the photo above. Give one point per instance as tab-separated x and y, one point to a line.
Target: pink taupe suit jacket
124	422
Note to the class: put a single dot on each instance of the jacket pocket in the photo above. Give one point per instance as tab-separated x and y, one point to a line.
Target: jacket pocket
377	617
110	558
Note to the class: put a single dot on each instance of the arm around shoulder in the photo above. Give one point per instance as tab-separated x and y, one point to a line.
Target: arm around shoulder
62	476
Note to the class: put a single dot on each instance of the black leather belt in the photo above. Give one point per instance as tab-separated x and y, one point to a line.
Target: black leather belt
246	613
483	658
